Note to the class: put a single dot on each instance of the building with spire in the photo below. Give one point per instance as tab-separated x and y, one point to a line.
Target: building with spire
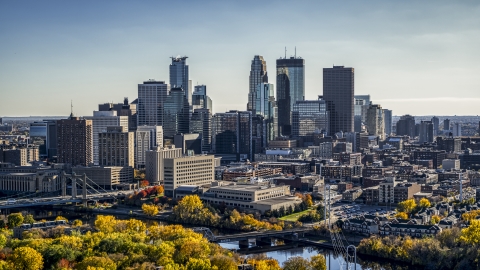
179	76
258	74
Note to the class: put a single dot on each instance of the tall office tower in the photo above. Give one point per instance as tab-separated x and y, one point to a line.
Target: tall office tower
232	135
290	89
309	119
360	111
201	123
338	92
436	125
388	122
51	141
266	107
179	76
123	109
375	121
426	132
176	114
446	124
75	141
457	130
154	167
146	138
200	100
116	147
258	74
406	126
100	121
151	98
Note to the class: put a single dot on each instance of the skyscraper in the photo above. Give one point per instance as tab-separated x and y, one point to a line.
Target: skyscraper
176	113
179	76
360	110
338	92
446	124
200	100
375	121
116	147
232	135
309	118
290	89
388	121
426	132
436	124
406	126
74	141
123	109
151	98
146	138
265	127
201	123
258	74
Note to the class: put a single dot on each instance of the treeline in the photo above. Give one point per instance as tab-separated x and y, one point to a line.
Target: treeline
129	244
191	210
450	249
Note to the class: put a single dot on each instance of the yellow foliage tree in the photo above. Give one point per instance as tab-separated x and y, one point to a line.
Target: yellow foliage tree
77	223
402	215
135	225
318	262
471	234
150	209
471	215
424	203
97	263
308	200
435	219
268	264
160	189
26	258
407	206
61	218
105	224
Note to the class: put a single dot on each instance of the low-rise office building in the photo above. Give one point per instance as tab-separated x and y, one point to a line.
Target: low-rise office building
106	177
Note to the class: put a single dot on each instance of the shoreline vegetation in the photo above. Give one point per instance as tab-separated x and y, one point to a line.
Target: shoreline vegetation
126	244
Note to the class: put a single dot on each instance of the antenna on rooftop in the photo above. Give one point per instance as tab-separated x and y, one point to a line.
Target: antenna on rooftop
71	108
285	52
295	52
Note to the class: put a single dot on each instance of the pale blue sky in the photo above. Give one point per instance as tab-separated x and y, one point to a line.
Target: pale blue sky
417	57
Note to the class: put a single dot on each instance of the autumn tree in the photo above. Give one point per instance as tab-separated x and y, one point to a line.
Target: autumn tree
98	262
77	223
435	219
144	183
401	215
160	189
471	234
223	262
424	203
61	218
150	209
471	215
14	220
26	258
296	263
105	224
407	206
318	262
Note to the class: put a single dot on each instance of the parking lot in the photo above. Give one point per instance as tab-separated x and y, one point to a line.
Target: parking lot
345	210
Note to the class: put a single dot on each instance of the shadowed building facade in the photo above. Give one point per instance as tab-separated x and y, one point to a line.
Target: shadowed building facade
338	92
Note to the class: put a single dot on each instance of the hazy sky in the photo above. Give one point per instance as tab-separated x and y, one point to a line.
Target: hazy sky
417	57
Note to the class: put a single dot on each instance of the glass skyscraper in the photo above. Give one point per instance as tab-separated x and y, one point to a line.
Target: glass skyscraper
151	98
258	74
176	116
179	76
290	89
200	100
265	126
232	135
338	92
201	123
309	118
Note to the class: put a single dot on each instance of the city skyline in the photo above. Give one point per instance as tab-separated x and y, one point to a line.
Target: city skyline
423	55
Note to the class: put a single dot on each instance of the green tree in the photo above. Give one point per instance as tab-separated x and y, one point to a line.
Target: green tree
29	219
26	258
15	220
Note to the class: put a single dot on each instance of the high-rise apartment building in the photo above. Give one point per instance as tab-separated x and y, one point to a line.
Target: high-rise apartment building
75	141
179	76
151	98
290	89
457	130
375	121
116	147
176	113
201	123
101	120
446	124
406	126
338	92
388	121
146	138
436	125
309	118
258	74
232	135
426	132
200	100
